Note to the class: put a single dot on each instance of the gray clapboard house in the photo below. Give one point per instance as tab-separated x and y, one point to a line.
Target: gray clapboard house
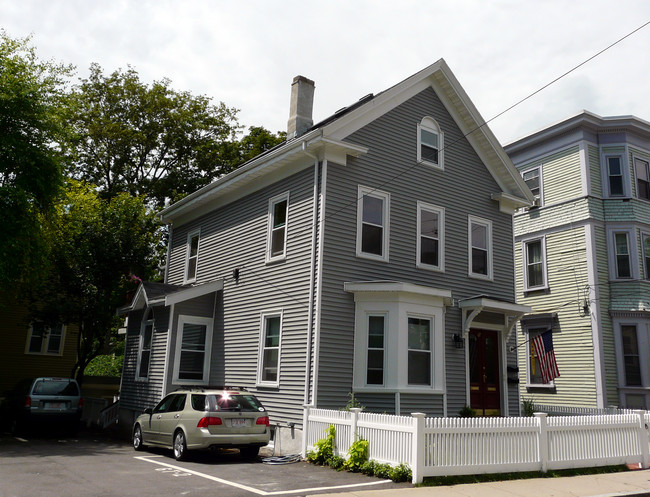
371	253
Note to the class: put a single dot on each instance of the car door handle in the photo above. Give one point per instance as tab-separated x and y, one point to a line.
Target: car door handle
159	416
176	416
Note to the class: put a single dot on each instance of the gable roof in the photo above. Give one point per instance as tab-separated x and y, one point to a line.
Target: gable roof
325	140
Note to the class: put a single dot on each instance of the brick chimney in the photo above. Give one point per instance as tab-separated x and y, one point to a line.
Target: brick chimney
301	106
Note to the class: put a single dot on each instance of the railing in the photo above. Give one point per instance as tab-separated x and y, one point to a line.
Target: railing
578	411
109	415
455	446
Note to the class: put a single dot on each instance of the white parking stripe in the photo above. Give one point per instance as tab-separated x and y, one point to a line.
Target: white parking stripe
255	490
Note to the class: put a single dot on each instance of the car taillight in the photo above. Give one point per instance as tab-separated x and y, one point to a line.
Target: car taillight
208	421
28	402
81	402
264	420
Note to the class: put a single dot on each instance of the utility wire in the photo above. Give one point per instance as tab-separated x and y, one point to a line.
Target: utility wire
450	145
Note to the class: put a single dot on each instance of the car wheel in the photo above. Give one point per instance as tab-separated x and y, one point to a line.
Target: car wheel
180	446
249	452
138	441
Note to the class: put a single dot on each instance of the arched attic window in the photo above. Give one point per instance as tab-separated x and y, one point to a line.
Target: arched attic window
430	143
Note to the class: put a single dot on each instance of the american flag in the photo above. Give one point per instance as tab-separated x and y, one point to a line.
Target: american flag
546	356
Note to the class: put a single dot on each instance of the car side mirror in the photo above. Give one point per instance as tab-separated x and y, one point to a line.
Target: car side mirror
149	411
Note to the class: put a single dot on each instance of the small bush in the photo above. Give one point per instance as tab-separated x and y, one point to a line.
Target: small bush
337	463
357	455
401	473
324	448
527	407
383	470
467	412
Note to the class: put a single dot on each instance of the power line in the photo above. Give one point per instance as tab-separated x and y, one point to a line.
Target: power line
450	145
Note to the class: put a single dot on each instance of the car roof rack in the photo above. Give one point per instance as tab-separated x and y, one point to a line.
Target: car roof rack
203	388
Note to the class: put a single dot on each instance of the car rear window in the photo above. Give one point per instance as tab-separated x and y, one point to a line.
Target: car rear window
236	402
55	387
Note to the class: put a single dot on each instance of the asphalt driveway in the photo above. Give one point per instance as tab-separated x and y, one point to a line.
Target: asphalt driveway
91	464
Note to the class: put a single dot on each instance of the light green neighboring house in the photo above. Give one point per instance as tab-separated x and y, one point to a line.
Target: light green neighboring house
582	258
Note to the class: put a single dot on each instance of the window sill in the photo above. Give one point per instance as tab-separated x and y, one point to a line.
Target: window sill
370	257
141	379
482	277
176	381
275	260
541	289
427	267
407	390
540	386
439	166
267	386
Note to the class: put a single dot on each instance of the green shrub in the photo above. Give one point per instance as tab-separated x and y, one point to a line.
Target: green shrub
401	473
324	448
353	402
383	470
467	412
357	455
528	407
337	463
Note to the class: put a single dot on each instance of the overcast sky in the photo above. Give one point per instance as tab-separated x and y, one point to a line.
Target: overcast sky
246	53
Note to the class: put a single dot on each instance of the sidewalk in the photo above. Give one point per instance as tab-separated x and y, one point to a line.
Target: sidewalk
629	483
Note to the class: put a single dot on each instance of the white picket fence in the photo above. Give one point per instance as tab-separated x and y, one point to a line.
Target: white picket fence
459	446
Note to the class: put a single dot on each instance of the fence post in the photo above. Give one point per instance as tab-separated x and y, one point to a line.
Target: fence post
354	420
643	439
417	447
543	440
305	428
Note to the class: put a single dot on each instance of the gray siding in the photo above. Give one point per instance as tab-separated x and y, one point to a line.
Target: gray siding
235	237
463	188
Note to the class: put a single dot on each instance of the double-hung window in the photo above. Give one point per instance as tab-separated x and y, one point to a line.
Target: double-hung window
646	255
480	248
144	352
642	170
532	180
431	241
376	349
622	255
535	264
192	257
193	347
615	176
268	371
419	351
45	339
373	223
277	227
631	359
430	148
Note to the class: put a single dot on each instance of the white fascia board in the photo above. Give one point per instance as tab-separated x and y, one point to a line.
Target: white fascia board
266	170
440	77
193	292
495	305
395	287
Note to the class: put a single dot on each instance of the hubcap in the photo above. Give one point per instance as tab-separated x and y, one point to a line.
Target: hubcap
137	438
178	446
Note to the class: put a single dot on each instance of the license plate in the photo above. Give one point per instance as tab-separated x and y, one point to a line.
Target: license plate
239	422
55	405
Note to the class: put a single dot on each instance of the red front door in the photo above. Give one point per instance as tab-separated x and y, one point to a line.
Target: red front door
484	388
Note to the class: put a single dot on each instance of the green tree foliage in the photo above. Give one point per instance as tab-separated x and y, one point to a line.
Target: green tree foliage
257	141
128	136
96	244
32	93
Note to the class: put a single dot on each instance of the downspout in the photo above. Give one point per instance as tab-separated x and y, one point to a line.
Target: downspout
312	278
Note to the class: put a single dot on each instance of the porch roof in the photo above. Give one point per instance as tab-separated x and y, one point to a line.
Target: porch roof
153	294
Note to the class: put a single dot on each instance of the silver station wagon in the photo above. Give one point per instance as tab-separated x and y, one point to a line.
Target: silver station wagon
203	418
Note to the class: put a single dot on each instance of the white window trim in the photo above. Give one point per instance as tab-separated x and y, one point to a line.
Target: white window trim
540	197
524	246
45	343
368	315
529	384
431	350
632	247
636	181
643	342
208	322
188	248
371	192
625	173
146	321
441	237
430	124
646	270
269	231
260	355
488	224
397	308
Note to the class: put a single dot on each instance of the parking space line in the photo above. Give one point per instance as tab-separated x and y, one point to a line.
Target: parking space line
251	489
